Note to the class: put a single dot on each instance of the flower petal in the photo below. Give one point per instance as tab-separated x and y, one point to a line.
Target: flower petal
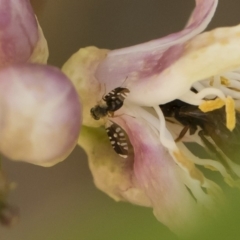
199	19
18	31
80	68
206	55
159	177
148	59
165	183
40	53
112	174
40	114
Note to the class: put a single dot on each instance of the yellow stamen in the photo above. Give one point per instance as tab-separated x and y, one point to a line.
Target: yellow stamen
211	105
189	165
232	183
210	168
231	114
224	81
217	103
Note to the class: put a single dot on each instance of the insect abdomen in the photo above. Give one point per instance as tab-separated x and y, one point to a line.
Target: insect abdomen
117	139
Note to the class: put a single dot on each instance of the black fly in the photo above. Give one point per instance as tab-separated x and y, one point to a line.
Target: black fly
112	102
212	124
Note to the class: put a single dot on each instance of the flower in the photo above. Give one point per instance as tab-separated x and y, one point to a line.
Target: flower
40	109
159	172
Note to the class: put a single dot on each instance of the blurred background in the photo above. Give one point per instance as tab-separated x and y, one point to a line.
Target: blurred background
62	203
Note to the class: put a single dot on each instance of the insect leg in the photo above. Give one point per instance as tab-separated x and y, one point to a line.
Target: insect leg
182	133
110	114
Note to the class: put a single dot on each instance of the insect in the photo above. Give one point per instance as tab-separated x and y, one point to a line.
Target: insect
112	102
117	139
212	125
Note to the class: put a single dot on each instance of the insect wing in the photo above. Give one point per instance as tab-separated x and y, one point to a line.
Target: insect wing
117	93
117	138
228	141
193	112
214	125
115	98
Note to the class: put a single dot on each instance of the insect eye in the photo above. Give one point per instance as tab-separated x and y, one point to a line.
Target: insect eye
93	113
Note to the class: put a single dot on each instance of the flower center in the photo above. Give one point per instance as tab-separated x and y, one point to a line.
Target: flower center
206	122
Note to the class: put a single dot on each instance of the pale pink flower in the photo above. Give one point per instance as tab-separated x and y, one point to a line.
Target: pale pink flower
40	110
160	173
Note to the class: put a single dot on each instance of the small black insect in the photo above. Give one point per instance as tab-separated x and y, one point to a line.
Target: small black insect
117	139
212	124
112	102
115	98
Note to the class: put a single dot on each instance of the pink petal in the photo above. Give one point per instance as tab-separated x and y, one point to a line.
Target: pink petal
200	18
158	176
40	53
18	31
40	114
111	173
147	59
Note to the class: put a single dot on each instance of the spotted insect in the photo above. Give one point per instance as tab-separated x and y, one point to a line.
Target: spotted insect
117	138
112	102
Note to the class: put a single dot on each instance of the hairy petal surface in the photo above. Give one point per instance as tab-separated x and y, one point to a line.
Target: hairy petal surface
145	62
40	114
18	31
